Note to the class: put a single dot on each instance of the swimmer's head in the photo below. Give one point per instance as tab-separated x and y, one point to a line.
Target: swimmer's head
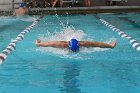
22	4
73	45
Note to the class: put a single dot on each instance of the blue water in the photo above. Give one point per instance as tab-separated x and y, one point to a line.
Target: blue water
131	21
10	27
30	69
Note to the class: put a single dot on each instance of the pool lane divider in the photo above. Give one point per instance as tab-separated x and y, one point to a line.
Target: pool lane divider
20	37
134	43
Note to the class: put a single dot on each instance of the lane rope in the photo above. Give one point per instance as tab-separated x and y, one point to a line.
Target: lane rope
134	43
20	37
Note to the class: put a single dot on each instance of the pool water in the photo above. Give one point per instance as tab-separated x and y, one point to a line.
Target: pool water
132	23
10	27
31	69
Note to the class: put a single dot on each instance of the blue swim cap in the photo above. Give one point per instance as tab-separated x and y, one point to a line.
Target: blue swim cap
22	5
73	45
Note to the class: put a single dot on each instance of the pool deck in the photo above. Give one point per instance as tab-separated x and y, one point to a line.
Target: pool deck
77	10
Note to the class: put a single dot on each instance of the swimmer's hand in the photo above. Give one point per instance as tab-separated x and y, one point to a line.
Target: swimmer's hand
113	44
38	42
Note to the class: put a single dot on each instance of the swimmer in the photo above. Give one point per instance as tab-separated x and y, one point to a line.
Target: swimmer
73	44
21	10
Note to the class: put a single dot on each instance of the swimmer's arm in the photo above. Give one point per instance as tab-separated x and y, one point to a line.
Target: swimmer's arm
55	44
97	44
41	44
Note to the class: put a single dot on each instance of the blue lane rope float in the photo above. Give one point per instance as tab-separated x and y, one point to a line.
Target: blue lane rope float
134	43
13	43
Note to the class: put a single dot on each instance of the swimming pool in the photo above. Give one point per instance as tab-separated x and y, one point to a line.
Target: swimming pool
10	27
92	70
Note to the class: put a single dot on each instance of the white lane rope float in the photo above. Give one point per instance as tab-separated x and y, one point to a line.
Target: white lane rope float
134	43
12	44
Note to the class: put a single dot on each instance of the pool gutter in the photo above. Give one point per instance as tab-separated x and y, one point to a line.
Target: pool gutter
77	10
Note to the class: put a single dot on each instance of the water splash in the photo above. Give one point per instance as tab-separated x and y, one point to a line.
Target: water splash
27	18
67	18
17	18
66	34
7	18
61	23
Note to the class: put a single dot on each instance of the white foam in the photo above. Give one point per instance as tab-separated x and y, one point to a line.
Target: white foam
65	34
7	18
27	18
65	53
23	18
